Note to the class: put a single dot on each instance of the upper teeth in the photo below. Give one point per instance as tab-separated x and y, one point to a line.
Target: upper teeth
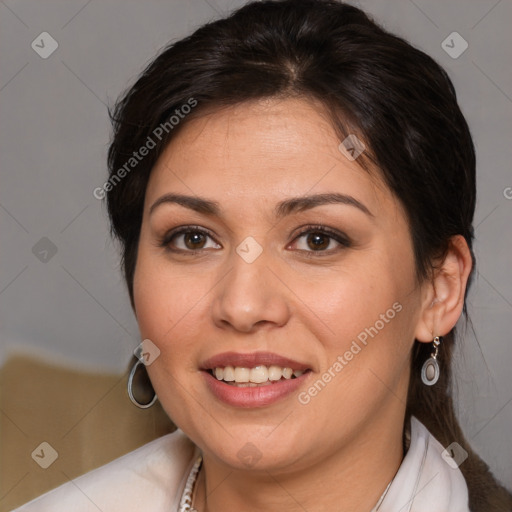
257	375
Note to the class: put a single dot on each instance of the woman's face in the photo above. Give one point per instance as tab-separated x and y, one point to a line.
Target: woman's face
264	247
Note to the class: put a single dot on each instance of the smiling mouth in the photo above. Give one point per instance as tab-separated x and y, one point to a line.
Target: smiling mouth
254	377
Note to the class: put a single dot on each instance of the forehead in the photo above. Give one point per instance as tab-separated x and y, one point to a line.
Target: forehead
261	152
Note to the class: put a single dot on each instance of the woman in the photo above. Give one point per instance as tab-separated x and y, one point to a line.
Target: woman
293	189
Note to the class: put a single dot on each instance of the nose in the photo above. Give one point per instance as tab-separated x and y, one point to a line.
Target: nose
250	297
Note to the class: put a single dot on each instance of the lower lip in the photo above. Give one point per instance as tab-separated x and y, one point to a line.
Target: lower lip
257	396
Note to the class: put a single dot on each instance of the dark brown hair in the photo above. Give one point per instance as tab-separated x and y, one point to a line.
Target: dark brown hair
397	99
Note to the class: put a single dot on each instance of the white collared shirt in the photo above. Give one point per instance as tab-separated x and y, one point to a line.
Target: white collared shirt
153	478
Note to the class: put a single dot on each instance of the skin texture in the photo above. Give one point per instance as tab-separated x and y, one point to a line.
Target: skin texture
340	450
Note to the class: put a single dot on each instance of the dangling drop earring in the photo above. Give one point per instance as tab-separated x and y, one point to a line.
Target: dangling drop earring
430	369
140	389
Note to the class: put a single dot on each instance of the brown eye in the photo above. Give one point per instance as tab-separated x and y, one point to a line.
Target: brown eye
188	240
194	240
318	241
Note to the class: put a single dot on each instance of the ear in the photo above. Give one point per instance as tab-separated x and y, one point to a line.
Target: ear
443	296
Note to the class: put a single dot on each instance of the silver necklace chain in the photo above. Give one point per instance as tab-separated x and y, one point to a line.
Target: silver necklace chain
186	497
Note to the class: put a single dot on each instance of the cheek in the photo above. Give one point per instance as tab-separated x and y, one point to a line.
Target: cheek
361	299
168	308
164	294
370	309
163	302
365	351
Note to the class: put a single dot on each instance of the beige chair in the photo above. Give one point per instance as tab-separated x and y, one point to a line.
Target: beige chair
87	420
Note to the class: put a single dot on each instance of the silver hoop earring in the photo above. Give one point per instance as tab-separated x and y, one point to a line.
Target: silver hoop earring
146	395
430	370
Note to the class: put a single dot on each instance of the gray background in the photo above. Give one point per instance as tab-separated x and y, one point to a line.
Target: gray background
73	308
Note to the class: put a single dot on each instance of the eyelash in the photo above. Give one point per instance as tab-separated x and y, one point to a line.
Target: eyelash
340	238
343	240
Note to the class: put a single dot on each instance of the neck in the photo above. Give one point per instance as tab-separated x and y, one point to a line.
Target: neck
351	478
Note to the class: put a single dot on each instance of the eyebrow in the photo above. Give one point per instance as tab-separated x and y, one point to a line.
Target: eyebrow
282	209
300	204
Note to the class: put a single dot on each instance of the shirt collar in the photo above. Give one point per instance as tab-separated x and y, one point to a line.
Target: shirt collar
425	480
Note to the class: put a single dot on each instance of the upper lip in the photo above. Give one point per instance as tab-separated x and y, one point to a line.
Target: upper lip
250	360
